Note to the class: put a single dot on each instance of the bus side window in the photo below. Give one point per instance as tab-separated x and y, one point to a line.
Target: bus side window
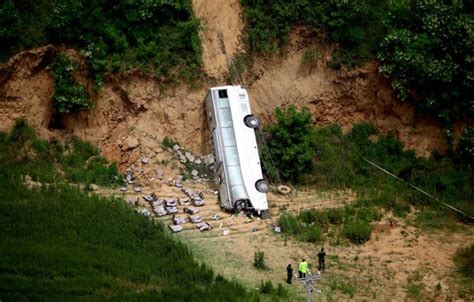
223	94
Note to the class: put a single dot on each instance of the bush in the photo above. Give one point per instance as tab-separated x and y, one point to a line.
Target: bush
289	224
358	231
69	95
335	216
464	260
259	260
289	144
313	234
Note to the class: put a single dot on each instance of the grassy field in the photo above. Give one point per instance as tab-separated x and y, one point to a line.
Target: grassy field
63	244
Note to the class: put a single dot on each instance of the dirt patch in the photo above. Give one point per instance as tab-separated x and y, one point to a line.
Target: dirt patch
221	34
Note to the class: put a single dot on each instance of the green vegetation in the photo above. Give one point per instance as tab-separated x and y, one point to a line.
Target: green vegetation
424	46
289	144
352	222
69	96
464	260
259	260
155	36
60	243
275	293
330	159
23	153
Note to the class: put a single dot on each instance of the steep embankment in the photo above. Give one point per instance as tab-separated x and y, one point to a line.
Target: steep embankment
133	112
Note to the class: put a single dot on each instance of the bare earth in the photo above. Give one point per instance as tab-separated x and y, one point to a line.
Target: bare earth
383	269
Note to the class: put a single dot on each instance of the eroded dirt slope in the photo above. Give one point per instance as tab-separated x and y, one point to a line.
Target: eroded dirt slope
137	108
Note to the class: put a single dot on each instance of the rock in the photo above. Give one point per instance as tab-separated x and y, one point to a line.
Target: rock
130	143
208	159
179	153
145	160
137	189
159	174
123	189
93	187
194	173
189	156
183	159
176	147
197	161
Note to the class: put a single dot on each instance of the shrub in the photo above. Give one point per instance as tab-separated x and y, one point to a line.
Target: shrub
168	142
289	224
358	231
289	144
310	59
69	95
464	260
266	287
313	234
259	260
335	216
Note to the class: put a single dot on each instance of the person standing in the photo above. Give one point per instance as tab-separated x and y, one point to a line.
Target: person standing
303	268
289	273
321	259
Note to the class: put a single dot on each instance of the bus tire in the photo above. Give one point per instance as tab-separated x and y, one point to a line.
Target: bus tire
262	186
251	121
282	189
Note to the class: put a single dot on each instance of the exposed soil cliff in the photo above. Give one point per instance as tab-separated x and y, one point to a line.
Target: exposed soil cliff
133	106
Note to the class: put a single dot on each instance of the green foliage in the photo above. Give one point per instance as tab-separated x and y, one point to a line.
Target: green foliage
289	144
259	260
465	149
158	37
69	95
61	244
268	289
313	234
464	260
358	231
77	161
168	143
427	51
425	47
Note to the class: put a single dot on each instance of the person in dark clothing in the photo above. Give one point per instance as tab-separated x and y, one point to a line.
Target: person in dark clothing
289	272
321	259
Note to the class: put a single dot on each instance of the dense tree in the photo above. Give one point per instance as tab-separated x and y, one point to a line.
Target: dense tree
289	144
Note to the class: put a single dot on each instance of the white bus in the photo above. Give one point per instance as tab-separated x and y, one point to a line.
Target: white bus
234	146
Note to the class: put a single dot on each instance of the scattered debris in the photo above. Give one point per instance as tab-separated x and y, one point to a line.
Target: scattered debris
179	220
203	226
176	147
145	160
191	210
175	228
137	189
195	218
277	229
226	232
282	189
172	210
215	217
123	189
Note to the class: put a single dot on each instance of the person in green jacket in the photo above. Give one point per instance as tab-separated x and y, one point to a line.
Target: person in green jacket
303	268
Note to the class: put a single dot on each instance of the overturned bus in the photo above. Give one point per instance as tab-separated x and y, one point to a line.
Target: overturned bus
234	146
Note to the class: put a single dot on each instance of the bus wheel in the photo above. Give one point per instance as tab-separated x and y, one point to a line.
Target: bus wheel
262	186
251	121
